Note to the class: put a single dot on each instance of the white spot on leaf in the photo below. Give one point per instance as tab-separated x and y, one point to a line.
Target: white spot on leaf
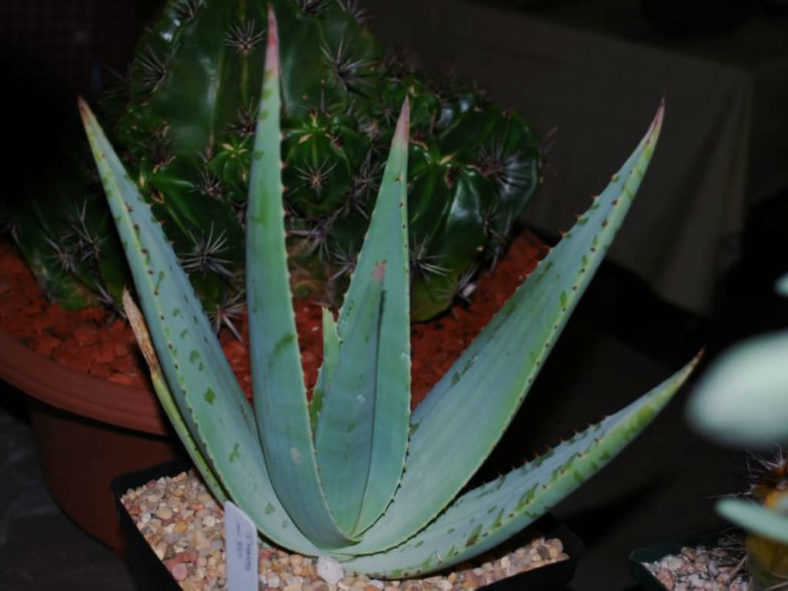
295	455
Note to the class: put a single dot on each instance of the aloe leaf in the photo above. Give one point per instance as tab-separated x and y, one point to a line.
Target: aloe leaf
208	396
742	398
166	398
755	518
344	437
494	374
277	377
486	516
387	240
330	358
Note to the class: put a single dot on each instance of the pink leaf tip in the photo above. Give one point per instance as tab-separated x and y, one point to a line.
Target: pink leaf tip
272	51
403	123
380	271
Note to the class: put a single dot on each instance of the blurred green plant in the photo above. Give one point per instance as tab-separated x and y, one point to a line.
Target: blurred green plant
742	400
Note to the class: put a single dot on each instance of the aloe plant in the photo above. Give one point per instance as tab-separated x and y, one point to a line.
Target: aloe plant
354	475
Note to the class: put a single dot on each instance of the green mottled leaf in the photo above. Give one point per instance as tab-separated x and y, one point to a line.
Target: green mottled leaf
387	241
330	358
167	400
344	437
512	348
486	516
208	396
277	377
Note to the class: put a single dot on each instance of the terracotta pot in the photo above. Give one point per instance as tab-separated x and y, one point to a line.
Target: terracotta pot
71	390
88	431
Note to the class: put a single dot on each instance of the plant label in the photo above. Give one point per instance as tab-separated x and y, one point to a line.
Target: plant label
240	542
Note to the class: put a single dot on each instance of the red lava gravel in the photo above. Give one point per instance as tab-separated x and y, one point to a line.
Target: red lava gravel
92	341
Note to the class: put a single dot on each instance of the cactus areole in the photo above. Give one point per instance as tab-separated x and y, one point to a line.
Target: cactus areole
184	123
355	475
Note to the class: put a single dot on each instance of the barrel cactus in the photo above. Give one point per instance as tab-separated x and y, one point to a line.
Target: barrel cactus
354	475
184	123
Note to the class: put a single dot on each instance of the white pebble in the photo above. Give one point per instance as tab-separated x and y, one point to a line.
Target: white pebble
329	570
674	563
164	512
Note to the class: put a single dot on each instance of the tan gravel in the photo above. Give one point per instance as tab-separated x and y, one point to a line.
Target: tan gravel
717	568
184	525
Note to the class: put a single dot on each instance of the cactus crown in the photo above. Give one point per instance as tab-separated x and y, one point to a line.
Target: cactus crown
354	475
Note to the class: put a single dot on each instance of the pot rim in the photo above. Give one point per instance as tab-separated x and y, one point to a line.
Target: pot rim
77	392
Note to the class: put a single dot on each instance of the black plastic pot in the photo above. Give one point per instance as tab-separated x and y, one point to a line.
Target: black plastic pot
150	574
658	551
